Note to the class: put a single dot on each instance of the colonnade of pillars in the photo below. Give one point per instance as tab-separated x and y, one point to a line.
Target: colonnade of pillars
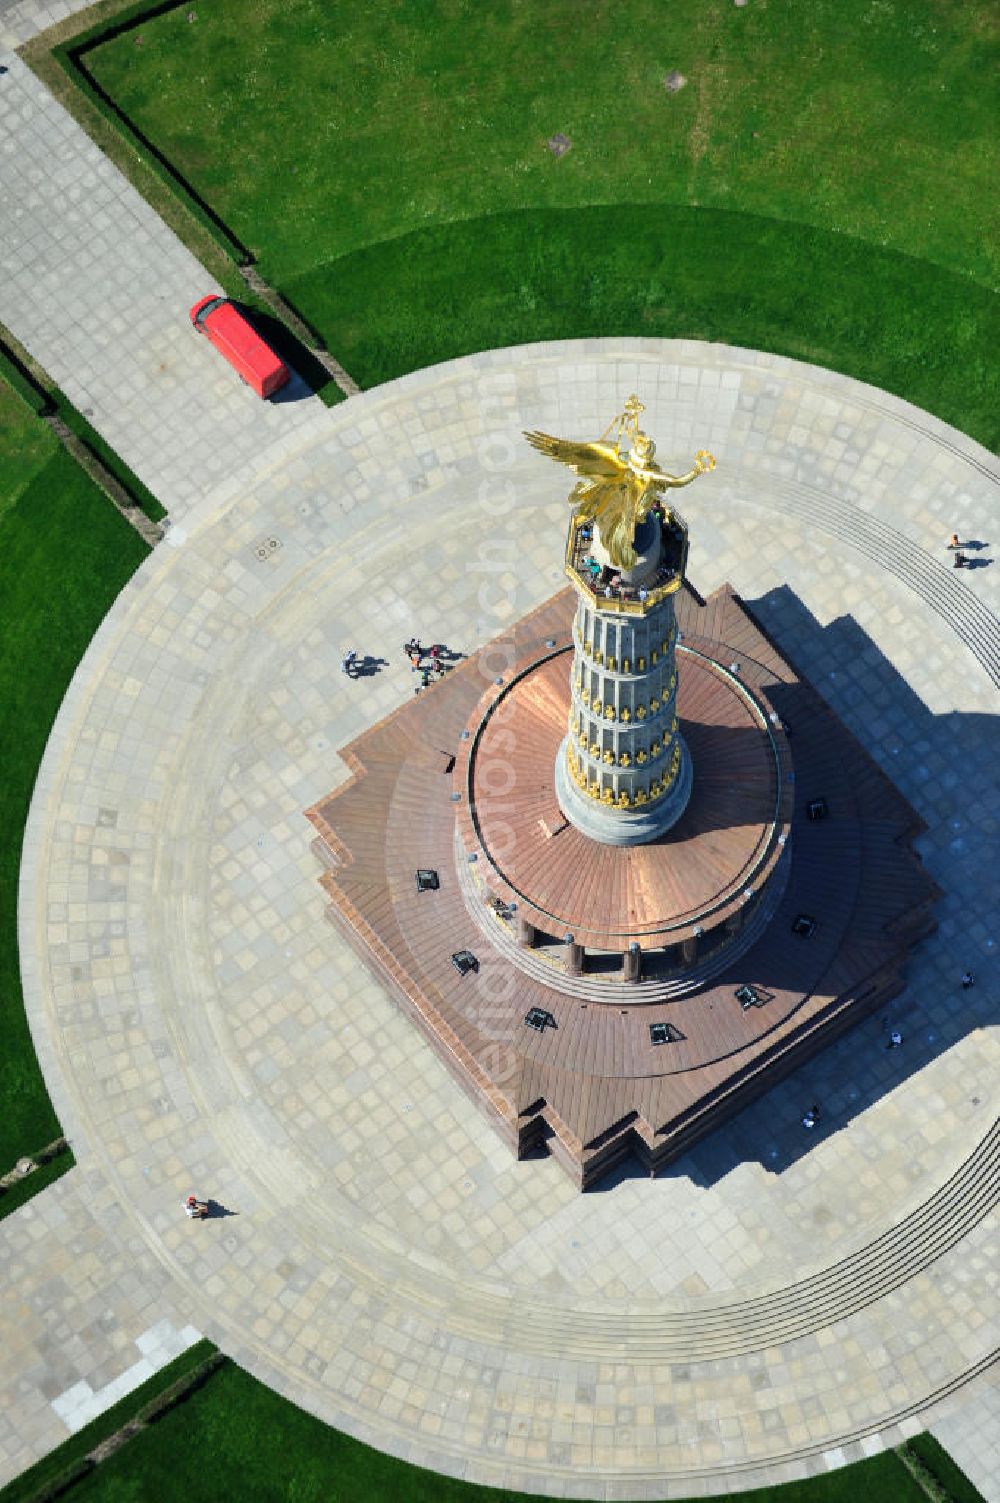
685	951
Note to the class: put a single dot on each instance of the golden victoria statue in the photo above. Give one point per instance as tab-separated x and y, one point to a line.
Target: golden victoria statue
617	490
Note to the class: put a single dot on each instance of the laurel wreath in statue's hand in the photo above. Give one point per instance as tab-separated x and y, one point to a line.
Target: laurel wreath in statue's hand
704	461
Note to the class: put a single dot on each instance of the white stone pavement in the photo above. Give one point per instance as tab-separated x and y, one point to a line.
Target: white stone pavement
20	20
971	1432
97	288
201	1027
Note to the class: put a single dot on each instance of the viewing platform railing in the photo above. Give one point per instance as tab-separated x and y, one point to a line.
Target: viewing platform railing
604	588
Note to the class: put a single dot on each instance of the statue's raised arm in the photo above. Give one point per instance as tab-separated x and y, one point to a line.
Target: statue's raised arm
704	463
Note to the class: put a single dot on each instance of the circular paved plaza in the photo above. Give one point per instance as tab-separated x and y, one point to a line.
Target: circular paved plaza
780	1301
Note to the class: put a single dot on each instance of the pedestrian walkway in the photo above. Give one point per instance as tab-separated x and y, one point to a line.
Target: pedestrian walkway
200	1025
20	20
970	1433
89	1316
97	289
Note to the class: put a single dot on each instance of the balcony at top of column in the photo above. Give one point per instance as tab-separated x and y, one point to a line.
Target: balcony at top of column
617	597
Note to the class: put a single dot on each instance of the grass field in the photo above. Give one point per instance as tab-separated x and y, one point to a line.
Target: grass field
64	555
350	124
668	272
823	186
948	1476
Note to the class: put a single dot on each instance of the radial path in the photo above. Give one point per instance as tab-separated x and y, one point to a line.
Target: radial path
779	1303
97	289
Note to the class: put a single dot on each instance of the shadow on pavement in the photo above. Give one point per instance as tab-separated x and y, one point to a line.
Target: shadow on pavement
216	1211
950	756
308	375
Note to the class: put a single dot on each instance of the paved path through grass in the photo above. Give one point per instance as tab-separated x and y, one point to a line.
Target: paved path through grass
20	20
97	288
201	1026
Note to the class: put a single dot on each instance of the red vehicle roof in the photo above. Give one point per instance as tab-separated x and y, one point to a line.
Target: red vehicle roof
236	338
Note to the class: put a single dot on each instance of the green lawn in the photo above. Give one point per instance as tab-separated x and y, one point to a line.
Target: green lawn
823	186
64	555
900	323
316	129
949	1476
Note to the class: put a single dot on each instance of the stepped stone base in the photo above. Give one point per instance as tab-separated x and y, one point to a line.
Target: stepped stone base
599	1076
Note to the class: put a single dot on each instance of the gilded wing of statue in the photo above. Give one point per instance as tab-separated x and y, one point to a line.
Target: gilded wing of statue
595	462
616	491
605	490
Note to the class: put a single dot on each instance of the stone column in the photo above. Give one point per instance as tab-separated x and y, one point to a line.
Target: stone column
689	951
623	773
574	958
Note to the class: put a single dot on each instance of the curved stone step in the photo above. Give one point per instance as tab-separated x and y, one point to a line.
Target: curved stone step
721	1330
942	589
832	1294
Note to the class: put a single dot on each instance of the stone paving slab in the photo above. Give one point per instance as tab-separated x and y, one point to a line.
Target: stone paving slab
81	1403
199	1026
970	1433
20	20
88	1315
97	288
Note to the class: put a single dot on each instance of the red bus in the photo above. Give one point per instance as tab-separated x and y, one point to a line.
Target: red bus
253	360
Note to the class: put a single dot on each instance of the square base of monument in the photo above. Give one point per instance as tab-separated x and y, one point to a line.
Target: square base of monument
594	1087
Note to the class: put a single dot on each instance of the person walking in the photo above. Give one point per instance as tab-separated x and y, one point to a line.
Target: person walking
953	541
967	980
350	664
195	1209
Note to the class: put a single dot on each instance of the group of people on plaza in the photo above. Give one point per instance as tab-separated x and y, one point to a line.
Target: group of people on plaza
425	661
